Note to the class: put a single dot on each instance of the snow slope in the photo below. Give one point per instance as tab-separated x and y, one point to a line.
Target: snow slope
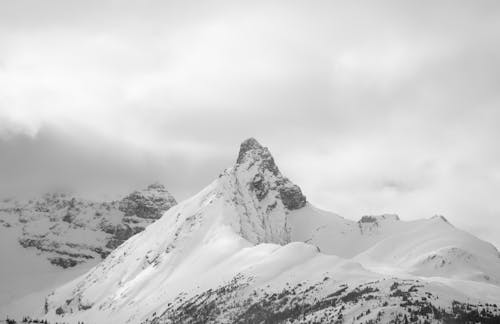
426	247
249	248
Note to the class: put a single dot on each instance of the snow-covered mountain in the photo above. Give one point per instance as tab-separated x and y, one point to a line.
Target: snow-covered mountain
249	248
427	247
58	235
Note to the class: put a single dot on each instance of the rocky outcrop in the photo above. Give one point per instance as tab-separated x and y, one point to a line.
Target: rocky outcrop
267	176
368	219
121	233
64	262
246	146
292	197
149	203
251	151
261	194
378	218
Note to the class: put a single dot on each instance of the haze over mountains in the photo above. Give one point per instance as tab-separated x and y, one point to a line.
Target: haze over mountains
249	248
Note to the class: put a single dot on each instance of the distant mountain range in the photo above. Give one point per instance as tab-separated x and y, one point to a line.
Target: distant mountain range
60	230
68	230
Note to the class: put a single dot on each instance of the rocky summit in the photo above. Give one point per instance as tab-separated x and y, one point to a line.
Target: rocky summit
267	177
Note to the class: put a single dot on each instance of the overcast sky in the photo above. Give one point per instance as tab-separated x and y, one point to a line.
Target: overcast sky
370	107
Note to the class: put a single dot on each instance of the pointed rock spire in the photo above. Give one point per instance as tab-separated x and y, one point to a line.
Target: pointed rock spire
255	159
252	152
247	145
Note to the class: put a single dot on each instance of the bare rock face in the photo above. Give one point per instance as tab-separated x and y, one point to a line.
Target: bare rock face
378	218
370	224
246	146
262	195
251	151
292	197
149	203
121	232
64	262
267	176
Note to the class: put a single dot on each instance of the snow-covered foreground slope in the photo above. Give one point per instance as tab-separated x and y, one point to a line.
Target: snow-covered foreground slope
249	249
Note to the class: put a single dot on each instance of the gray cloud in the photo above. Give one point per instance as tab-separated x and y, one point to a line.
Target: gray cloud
370	106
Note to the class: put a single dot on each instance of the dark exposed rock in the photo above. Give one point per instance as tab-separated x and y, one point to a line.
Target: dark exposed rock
292	197
268	177
121	233
102	253
377	218
149	203
131	220
251	151
69	217
28	242
64	262
368	219
259	186
107	227
247	145
113	243
48	246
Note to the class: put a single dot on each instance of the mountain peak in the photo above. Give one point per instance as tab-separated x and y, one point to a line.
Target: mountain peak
247	145
252	152
256	164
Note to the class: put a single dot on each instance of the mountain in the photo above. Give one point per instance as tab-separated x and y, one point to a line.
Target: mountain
58	236
249	248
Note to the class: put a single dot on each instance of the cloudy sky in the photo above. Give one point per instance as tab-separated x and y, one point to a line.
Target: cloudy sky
370	106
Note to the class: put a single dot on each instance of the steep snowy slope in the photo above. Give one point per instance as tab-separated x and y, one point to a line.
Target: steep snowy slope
228	255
